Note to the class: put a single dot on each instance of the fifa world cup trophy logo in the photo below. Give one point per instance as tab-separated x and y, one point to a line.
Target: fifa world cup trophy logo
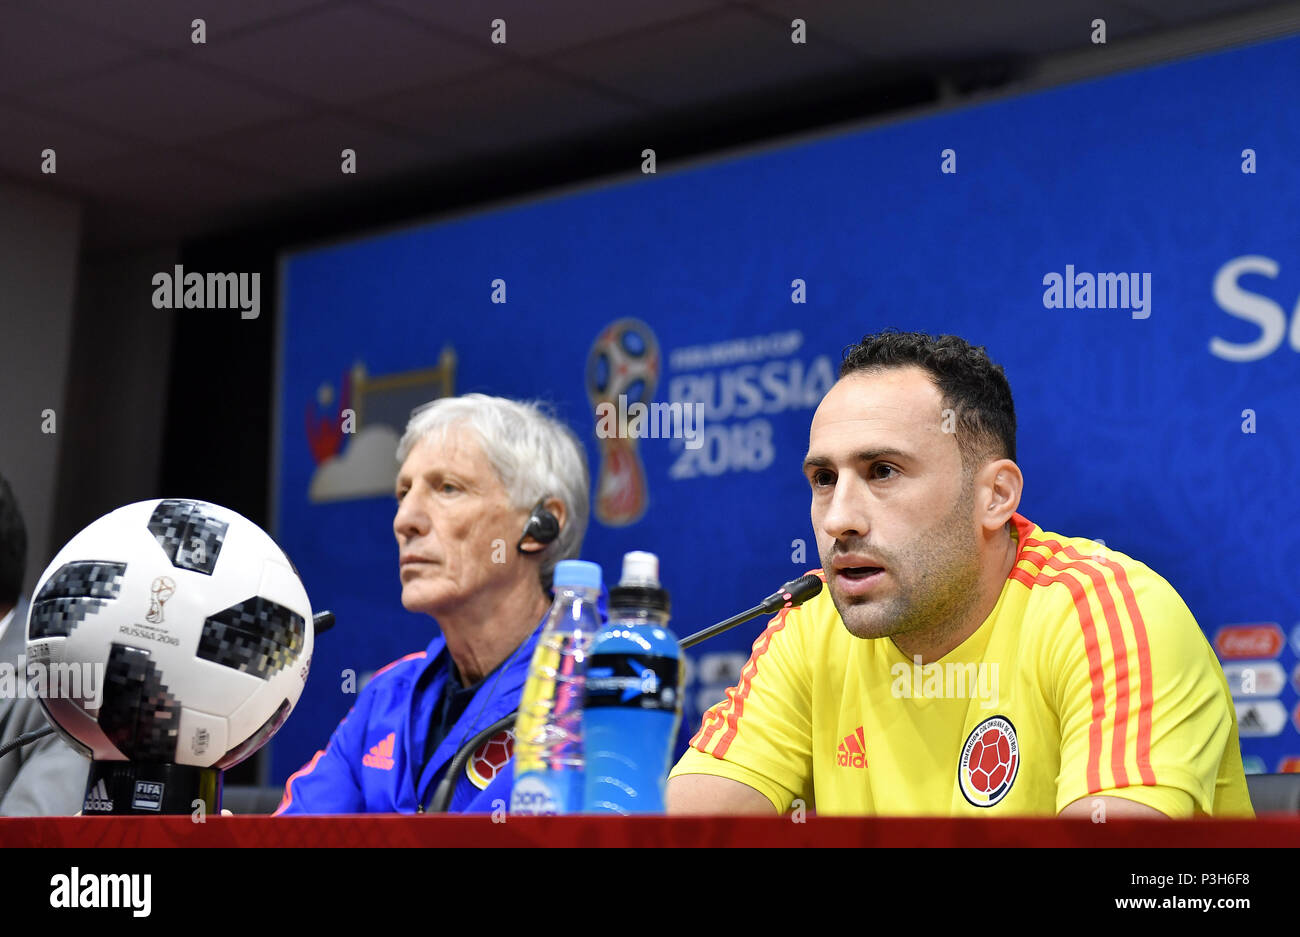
623	363
163	589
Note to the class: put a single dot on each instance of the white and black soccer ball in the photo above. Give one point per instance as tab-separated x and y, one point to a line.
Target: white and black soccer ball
190	618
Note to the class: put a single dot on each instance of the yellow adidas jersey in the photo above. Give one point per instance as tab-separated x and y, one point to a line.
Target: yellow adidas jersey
1089	677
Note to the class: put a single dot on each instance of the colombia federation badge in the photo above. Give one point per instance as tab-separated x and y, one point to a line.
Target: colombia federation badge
490	757
989	762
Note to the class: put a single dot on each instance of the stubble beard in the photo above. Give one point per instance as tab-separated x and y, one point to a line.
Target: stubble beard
935	581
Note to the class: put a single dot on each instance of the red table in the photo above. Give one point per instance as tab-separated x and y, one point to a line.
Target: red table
462	831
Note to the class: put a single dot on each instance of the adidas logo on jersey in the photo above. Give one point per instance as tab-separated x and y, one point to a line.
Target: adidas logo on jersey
97	799
381	755
852	752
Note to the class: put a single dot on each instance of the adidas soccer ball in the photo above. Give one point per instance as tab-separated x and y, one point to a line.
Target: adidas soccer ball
188	627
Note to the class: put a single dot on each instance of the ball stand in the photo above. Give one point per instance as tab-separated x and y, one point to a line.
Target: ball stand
121	788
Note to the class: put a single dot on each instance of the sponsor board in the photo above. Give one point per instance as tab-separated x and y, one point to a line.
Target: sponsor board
1255	678
1260	718
1235	642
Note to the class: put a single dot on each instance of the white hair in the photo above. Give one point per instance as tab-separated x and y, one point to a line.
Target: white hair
534	454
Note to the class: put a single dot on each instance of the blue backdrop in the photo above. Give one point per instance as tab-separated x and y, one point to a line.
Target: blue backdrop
1172	437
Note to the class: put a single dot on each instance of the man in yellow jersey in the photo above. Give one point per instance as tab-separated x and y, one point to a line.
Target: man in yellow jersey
962	661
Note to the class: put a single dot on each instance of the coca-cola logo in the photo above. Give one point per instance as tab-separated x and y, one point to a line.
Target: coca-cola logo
1238	641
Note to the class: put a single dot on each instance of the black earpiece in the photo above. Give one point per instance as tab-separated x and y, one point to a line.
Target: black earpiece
542	526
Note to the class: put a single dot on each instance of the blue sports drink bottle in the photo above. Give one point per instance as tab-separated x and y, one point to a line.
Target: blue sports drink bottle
633	700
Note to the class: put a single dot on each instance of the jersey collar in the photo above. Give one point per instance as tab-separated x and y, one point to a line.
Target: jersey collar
1022	528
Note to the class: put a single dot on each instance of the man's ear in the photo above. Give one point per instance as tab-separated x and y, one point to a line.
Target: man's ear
556	507
528	543
998	491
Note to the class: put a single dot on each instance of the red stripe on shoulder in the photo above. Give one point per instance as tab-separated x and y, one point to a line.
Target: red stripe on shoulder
738	694
708	727
400	660
1146	690
306	769
1093	651
1119	654
714	718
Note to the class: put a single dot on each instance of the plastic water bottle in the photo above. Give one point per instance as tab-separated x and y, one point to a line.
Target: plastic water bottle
634	696
548	750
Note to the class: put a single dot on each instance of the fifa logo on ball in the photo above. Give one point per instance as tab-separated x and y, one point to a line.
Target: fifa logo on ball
163	588
623	363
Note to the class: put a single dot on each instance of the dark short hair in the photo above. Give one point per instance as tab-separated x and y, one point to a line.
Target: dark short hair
13	546
969	382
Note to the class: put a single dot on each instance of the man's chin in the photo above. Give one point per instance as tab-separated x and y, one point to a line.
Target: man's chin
865	619
869	630
420	601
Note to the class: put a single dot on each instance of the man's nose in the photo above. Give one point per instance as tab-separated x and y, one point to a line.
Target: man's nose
846	516
411	519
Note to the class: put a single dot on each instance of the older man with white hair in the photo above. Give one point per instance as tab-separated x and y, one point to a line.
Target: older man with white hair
491	494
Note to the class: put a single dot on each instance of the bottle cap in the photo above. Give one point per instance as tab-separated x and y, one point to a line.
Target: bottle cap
580	574
639	587
640	569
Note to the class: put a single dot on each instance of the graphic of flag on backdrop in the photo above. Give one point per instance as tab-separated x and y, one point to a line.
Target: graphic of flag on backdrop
354	442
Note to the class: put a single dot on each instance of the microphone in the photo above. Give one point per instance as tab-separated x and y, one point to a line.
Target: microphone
25	739
322	621
795	592
792	594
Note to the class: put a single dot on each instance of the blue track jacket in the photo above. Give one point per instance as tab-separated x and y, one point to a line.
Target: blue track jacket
370	763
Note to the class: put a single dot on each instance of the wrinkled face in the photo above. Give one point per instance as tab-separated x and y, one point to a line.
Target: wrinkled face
456	529
892	510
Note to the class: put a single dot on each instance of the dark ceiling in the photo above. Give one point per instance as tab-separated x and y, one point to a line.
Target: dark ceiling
164	139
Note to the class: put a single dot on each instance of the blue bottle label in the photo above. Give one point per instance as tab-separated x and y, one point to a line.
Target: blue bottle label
543	795
635	681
